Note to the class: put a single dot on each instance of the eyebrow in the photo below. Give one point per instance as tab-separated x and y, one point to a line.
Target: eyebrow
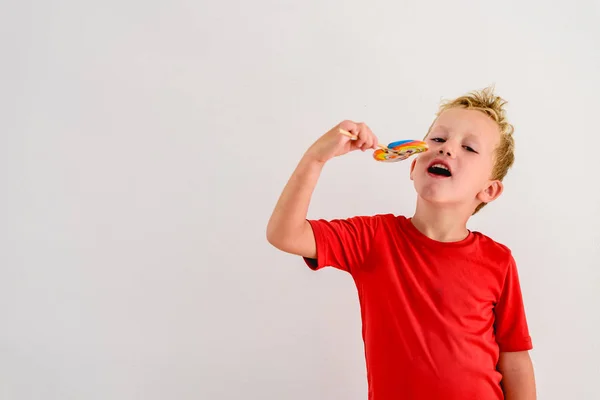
443	127
468	136
472	136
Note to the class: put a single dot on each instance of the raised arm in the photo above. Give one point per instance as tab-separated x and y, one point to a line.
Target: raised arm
288	230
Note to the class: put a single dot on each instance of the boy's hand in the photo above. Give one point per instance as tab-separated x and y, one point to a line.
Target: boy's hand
333	143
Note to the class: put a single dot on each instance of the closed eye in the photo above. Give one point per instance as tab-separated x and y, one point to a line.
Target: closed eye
468	148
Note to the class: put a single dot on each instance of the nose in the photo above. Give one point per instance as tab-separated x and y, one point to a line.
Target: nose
447	149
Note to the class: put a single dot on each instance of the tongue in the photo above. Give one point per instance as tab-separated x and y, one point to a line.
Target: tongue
439	171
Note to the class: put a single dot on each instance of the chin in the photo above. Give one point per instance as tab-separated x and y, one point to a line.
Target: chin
438	201
435	190
431	192
437	196
434	198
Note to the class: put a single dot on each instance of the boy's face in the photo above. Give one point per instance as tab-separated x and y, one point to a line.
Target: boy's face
457	168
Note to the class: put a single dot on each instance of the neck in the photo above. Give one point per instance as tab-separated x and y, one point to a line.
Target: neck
444	224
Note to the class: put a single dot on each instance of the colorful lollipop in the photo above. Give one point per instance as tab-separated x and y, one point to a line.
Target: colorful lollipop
395	151
400	150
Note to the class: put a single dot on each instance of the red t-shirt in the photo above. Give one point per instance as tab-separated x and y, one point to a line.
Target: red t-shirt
435	315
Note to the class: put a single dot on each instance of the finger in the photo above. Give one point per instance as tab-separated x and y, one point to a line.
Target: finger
349	126
369	137
367	144
363	135
375	142
371	142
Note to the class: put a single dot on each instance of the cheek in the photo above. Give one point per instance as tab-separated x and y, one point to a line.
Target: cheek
481	172
417	164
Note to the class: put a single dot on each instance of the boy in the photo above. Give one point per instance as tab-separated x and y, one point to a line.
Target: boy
441	306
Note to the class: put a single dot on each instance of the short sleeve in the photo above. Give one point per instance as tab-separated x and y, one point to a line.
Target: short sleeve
342	243
512	332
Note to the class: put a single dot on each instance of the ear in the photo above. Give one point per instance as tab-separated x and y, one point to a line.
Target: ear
491	192
412	168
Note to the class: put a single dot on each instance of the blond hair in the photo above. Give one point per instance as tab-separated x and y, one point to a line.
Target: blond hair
493	106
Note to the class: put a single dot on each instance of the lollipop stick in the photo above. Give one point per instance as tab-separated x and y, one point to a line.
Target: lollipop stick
354	137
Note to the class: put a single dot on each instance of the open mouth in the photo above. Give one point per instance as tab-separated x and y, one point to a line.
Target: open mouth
439	170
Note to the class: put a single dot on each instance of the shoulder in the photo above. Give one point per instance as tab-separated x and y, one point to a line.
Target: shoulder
374	224
366	226
386	222
494	249
371	219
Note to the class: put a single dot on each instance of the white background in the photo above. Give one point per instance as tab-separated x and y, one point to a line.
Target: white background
143	146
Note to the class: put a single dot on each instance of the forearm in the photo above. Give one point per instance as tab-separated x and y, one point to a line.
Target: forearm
288	219
518	381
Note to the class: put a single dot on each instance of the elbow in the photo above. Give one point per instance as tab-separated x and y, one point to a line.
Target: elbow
270	236
273	236
278	238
